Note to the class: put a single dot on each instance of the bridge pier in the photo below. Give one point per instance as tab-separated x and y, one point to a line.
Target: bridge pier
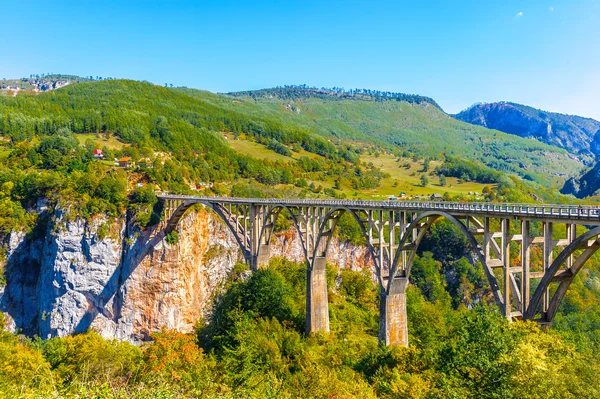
262	258
393	322
317	306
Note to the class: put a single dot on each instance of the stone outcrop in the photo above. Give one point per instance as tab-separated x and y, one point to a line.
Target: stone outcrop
126	283
575	134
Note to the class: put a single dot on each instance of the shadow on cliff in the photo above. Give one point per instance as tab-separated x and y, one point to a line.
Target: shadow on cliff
22	271
131	257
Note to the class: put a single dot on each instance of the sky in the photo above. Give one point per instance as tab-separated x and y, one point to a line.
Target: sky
541	53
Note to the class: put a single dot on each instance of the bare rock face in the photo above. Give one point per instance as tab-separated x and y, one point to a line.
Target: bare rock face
125	283
78	275
171	286
340	253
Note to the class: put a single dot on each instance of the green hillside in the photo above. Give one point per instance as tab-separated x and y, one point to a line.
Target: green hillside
357	147
419	126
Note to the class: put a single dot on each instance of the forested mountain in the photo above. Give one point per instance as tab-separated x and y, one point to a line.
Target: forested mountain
574	133
419	126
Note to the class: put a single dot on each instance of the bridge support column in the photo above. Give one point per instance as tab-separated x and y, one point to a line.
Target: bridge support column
393	321
262	258
317	307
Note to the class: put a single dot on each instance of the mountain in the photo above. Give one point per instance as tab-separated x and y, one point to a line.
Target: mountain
575	134
409	122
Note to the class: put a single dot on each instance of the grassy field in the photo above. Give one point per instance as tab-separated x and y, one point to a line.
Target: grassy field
260	151
422	127
409	180
100	140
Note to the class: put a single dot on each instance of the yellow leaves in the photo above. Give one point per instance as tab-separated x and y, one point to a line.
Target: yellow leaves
23	370
542	363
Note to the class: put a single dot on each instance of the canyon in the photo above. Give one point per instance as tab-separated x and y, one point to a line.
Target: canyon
125	283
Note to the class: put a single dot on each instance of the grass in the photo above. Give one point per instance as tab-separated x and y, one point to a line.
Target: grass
420	127
100	140
409	180
260	151
401	178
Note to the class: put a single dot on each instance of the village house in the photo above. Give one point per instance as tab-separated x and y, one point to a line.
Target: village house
125	162
98	154
436	197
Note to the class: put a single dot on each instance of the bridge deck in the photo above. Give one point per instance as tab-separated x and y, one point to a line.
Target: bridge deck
574	213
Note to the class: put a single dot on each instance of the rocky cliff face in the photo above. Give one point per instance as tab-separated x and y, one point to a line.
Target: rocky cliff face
573	133
127	283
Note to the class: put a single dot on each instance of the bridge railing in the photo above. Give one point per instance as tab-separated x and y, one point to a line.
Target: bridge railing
585	212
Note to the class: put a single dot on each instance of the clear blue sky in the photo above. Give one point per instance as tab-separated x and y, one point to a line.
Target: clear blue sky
542	53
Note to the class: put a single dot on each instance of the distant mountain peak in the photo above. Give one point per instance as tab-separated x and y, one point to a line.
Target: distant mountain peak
571	132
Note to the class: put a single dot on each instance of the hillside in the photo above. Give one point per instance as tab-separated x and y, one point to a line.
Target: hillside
576	134
420	127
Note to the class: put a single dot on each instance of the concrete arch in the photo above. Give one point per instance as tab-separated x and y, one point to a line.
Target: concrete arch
220	211
431	217
566	281
276	210
323	225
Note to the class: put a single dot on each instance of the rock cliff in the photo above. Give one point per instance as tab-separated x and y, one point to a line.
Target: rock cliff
125	283
574	133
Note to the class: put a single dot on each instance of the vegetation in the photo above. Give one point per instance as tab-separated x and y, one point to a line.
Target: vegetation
253	347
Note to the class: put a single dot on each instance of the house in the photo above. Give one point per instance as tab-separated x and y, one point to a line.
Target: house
98	154
392	198
225	136
402	194
125	162
436	197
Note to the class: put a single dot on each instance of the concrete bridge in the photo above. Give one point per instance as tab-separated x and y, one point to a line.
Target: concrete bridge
567	236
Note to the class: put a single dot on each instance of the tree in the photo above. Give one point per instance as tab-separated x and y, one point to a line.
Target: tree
424	180
442	180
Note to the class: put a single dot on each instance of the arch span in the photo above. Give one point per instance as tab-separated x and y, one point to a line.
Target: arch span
267	228
220	211
431	217
333	215
567	277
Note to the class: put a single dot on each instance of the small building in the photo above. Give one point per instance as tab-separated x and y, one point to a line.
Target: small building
402	194
98	154
125	162
392	198
436	197
225	136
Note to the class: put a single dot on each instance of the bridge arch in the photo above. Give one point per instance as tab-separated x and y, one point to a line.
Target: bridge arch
566	278
267	228
220	211
333	216
431	217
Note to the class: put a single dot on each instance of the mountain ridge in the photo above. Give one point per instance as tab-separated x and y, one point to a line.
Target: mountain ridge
574	133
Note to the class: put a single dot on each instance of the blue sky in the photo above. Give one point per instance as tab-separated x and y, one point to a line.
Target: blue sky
541	53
